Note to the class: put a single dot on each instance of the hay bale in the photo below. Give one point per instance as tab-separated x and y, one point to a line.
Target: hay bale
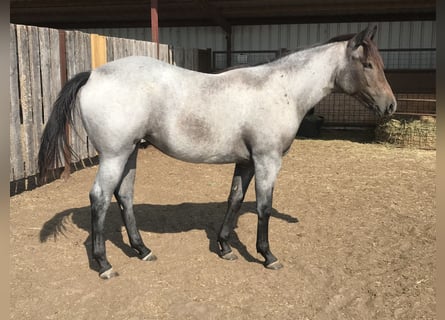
408	132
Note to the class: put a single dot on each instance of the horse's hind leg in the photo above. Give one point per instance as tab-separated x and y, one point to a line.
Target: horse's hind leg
124	196
241	179
108	176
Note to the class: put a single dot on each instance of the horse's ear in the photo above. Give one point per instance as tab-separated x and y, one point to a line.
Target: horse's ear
373	31
360	37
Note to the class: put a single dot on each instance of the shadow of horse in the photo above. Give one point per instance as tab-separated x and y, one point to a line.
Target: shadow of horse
156	219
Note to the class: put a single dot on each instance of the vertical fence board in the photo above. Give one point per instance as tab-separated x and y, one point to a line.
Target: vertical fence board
144	48
16	156
36	91
45	66
114	47
163	52
28	130
55	80
117	54
123	47
110	51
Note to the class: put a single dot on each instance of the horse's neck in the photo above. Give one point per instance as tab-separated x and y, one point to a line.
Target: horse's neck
310	74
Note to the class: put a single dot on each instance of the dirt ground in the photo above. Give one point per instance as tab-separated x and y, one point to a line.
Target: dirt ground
353	224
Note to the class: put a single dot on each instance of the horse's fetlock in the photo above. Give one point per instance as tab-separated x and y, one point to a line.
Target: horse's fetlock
262	247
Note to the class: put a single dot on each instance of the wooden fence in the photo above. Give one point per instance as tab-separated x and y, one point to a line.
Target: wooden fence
41	60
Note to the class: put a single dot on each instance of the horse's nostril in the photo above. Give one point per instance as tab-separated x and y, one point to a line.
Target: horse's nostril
390	109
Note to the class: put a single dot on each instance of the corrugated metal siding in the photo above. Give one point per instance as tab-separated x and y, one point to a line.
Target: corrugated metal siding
391	35
395	34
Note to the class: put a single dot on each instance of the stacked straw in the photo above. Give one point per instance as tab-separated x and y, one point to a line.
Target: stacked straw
412	132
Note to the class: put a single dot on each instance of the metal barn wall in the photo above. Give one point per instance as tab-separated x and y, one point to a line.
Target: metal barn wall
391	35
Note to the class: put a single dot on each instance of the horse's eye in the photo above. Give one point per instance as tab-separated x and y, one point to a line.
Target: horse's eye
367	65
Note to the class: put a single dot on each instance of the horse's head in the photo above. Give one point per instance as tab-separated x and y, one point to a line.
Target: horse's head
363	76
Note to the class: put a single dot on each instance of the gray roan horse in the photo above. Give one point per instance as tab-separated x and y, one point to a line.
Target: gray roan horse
246	116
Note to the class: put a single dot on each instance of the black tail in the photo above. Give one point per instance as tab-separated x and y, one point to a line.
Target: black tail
54	138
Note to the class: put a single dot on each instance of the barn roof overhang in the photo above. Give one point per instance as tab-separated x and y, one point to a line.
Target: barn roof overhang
224	13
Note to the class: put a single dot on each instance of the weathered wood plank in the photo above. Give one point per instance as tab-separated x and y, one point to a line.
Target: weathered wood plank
110	49
70	54
114	48
122	49
36	91
28	131
55	81
16	153
143	49
117	51
45	66
164	52
133	48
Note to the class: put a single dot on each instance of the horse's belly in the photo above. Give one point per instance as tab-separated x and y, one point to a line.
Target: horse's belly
204	152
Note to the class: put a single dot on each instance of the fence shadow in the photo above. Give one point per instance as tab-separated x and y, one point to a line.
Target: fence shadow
156	219
361	135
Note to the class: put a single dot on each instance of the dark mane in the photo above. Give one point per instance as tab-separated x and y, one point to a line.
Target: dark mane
342	37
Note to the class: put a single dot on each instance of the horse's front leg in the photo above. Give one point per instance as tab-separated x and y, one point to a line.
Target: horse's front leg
266	171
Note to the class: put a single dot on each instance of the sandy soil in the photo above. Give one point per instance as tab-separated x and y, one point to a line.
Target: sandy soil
354	226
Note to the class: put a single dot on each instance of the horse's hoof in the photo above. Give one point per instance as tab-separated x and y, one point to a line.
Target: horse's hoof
229	256
274	265
149	257
108	274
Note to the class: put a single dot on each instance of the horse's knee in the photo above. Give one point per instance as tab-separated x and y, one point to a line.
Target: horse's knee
96	194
